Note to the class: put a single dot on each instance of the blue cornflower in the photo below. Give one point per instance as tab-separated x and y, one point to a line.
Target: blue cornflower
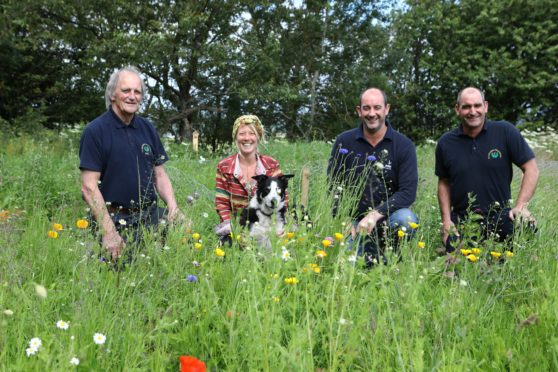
358	154
192	278
343	151
371	158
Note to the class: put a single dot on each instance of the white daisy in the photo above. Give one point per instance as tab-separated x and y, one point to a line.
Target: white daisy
35	343
99	338
31	351
62	325
74	361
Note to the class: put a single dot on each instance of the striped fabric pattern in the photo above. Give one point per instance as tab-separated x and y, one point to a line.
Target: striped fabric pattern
232	193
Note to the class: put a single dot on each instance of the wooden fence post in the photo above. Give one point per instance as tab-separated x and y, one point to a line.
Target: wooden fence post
304	186
195	140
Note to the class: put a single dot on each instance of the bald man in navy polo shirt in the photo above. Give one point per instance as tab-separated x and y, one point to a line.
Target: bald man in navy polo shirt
121	163
377	166
474	169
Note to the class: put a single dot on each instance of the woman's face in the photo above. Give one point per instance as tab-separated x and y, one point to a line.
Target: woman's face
247	140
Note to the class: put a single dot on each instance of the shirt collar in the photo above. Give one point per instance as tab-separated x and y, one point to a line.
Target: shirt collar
119	123
460	128
389	133
260	168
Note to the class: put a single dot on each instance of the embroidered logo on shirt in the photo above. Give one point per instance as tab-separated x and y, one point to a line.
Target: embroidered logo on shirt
146	149
494	154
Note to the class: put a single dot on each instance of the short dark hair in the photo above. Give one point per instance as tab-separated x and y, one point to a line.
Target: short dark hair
370	88
464	89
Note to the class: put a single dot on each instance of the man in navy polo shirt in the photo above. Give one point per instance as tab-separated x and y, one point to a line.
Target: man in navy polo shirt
474	169
121	163
377	166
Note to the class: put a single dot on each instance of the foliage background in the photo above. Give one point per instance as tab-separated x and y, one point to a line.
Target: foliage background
299	65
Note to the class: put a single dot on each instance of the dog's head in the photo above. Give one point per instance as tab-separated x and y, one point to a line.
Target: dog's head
271	190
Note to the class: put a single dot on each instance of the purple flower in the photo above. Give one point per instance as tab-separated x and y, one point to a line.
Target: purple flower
192	278
343	151
371	158
358	154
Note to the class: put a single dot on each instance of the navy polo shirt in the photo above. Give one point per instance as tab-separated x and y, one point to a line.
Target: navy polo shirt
385	176
125	155
481	166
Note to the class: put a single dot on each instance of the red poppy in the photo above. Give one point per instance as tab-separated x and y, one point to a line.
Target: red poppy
191	364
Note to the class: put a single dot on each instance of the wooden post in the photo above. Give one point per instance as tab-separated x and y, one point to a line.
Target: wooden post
195	140
304	186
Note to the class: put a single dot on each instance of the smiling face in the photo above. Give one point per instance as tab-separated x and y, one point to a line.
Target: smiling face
373	111
471	109
127	96
247	140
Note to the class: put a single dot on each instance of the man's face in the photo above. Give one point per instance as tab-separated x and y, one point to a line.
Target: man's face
127	96
373	111
471	109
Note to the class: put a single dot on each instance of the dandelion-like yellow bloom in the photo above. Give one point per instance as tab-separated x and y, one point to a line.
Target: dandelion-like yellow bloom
52	234
276	299
476	251
414	225
421	245
472	258
219	252
321	254
57	226
338	236
509	254
316	269
465	252
496	254
326	243
196	236
291	280
198	246
290	235
82	224
400	233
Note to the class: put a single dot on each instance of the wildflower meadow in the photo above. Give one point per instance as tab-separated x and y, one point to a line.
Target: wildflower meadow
309	304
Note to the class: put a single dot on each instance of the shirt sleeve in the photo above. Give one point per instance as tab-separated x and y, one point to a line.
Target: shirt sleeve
519	148
90	154
222	196
439	168
407	174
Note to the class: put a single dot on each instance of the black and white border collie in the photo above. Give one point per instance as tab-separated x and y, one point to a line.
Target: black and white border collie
267	205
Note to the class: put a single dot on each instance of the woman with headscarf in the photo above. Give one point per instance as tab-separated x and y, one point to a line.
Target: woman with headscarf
234	183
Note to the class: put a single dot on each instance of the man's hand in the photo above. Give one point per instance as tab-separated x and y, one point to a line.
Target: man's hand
522	213
368	223
114	243
448	228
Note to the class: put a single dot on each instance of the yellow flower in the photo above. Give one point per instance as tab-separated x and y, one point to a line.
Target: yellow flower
472	258
82	224
199	246
52	234
465	252
321	254
509	254
316	269
414	225
57	226
276	299
219	252
290	235
338	236
291	280
476	251
496	254
196	236
326	243
400	233
421	245
274	276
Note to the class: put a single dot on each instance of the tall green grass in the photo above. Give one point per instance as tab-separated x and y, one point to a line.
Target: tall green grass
423	313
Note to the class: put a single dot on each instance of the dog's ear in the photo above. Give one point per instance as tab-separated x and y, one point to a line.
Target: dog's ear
286	176
260	178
